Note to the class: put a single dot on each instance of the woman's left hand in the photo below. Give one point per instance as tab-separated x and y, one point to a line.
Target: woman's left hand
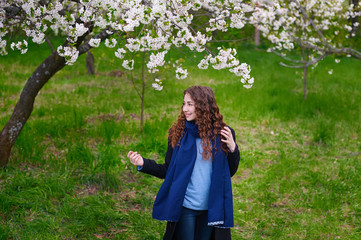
227	134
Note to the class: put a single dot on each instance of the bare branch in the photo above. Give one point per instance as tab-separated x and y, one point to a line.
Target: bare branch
134	86
305	63
350	51
329	49
201	26
231	40
287	58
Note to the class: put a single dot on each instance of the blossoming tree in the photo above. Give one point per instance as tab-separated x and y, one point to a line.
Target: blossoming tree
315	28
128	26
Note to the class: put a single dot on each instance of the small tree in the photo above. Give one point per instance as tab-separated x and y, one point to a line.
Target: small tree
153	26
310	29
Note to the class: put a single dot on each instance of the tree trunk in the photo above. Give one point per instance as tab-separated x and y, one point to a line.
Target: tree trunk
143	93
354	19
256	32
90	63
305	68
305	82
256	36
24	106
37	80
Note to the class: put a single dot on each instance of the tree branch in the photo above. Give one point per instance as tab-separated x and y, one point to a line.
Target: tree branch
287	58
305	63
325	43
305	15
134	86
231	40
102	36
50	45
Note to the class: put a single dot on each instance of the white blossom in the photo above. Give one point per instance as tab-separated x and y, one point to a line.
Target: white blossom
110	44
156	60
348	28
133	44
288	24
181	73
22	46
241	70
80	29
69	53
157	85
224	59
38	37
139	26
3	47
237	20
94	42
128	64
87	15
120	53
204	63
75	32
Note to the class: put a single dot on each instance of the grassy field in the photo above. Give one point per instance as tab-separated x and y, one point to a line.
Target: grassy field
68	176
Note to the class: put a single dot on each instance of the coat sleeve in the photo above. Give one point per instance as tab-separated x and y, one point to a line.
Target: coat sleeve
158	170
233	157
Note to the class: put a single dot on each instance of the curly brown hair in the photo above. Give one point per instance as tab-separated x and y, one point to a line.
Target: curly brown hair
208	119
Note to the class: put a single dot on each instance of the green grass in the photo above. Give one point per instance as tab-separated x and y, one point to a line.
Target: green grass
68	176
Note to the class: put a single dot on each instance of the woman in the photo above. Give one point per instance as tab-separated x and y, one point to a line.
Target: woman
196	196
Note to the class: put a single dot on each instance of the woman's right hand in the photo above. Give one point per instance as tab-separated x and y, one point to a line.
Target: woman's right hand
135	158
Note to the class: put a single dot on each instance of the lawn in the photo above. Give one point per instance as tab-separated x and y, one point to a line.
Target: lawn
68	176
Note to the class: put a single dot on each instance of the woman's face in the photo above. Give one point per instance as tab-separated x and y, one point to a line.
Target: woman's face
189	109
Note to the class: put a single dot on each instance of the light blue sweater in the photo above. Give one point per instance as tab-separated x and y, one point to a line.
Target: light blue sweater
197	192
